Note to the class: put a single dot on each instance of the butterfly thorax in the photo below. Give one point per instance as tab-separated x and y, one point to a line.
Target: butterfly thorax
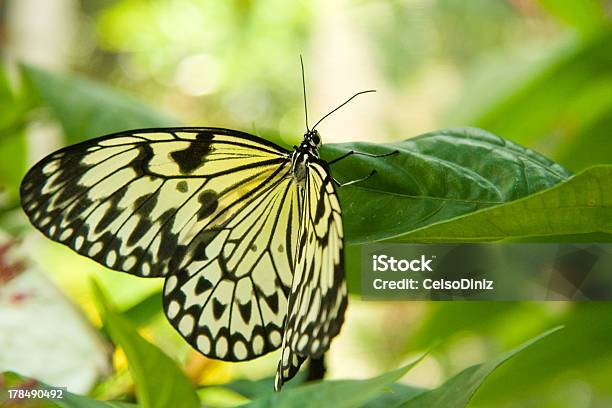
305	152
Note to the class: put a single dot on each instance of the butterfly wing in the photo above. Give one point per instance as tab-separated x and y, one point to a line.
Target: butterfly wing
318	296
213	210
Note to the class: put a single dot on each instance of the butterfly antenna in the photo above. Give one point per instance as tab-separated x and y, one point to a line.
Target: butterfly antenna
304	89
345	102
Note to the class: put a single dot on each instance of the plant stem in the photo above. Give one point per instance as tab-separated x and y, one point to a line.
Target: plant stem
316	369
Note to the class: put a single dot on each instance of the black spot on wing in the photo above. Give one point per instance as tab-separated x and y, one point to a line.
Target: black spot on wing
70	165
202	285
272	302
210	201
193	156
167	240
143	226
145	154
302	242
245	311
109	216
144	205
205	136
77	210
113	212
177	258
218	308
182	187
69	191
201	242
320	209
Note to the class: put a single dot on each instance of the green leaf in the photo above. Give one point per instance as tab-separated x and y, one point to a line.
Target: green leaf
582	355
258	388
434	177
333	394
394	395
13	144
13	150
69	400
145	310
87	109
159	381
458	391
13	104
582	204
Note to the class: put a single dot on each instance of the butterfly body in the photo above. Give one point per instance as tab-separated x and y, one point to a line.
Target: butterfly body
306	152
247	235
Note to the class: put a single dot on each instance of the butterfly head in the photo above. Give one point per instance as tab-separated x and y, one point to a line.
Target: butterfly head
312	139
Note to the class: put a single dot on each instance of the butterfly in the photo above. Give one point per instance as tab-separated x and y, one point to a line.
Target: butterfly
248	235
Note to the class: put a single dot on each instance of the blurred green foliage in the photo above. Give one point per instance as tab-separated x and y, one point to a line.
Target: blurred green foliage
88	109
159	382
537	73
171	387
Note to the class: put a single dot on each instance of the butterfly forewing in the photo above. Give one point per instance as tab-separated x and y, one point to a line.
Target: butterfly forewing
318	296
140	202
212	209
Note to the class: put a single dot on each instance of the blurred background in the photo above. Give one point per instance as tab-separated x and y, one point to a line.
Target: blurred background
537	72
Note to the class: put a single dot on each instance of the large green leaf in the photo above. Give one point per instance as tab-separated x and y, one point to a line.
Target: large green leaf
434	177
86	109
459	390
333	394
159	381
583	204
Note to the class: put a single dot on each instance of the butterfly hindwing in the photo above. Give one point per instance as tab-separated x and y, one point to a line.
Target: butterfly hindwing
318	296
232	306
213	210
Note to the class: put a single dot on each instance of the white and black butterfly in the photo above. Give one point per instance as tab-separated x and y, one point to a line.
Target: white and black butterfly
247	235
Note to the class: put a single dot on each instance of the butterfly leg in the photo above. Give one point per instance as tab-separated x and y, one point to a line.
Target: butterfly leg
348	183
352	152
